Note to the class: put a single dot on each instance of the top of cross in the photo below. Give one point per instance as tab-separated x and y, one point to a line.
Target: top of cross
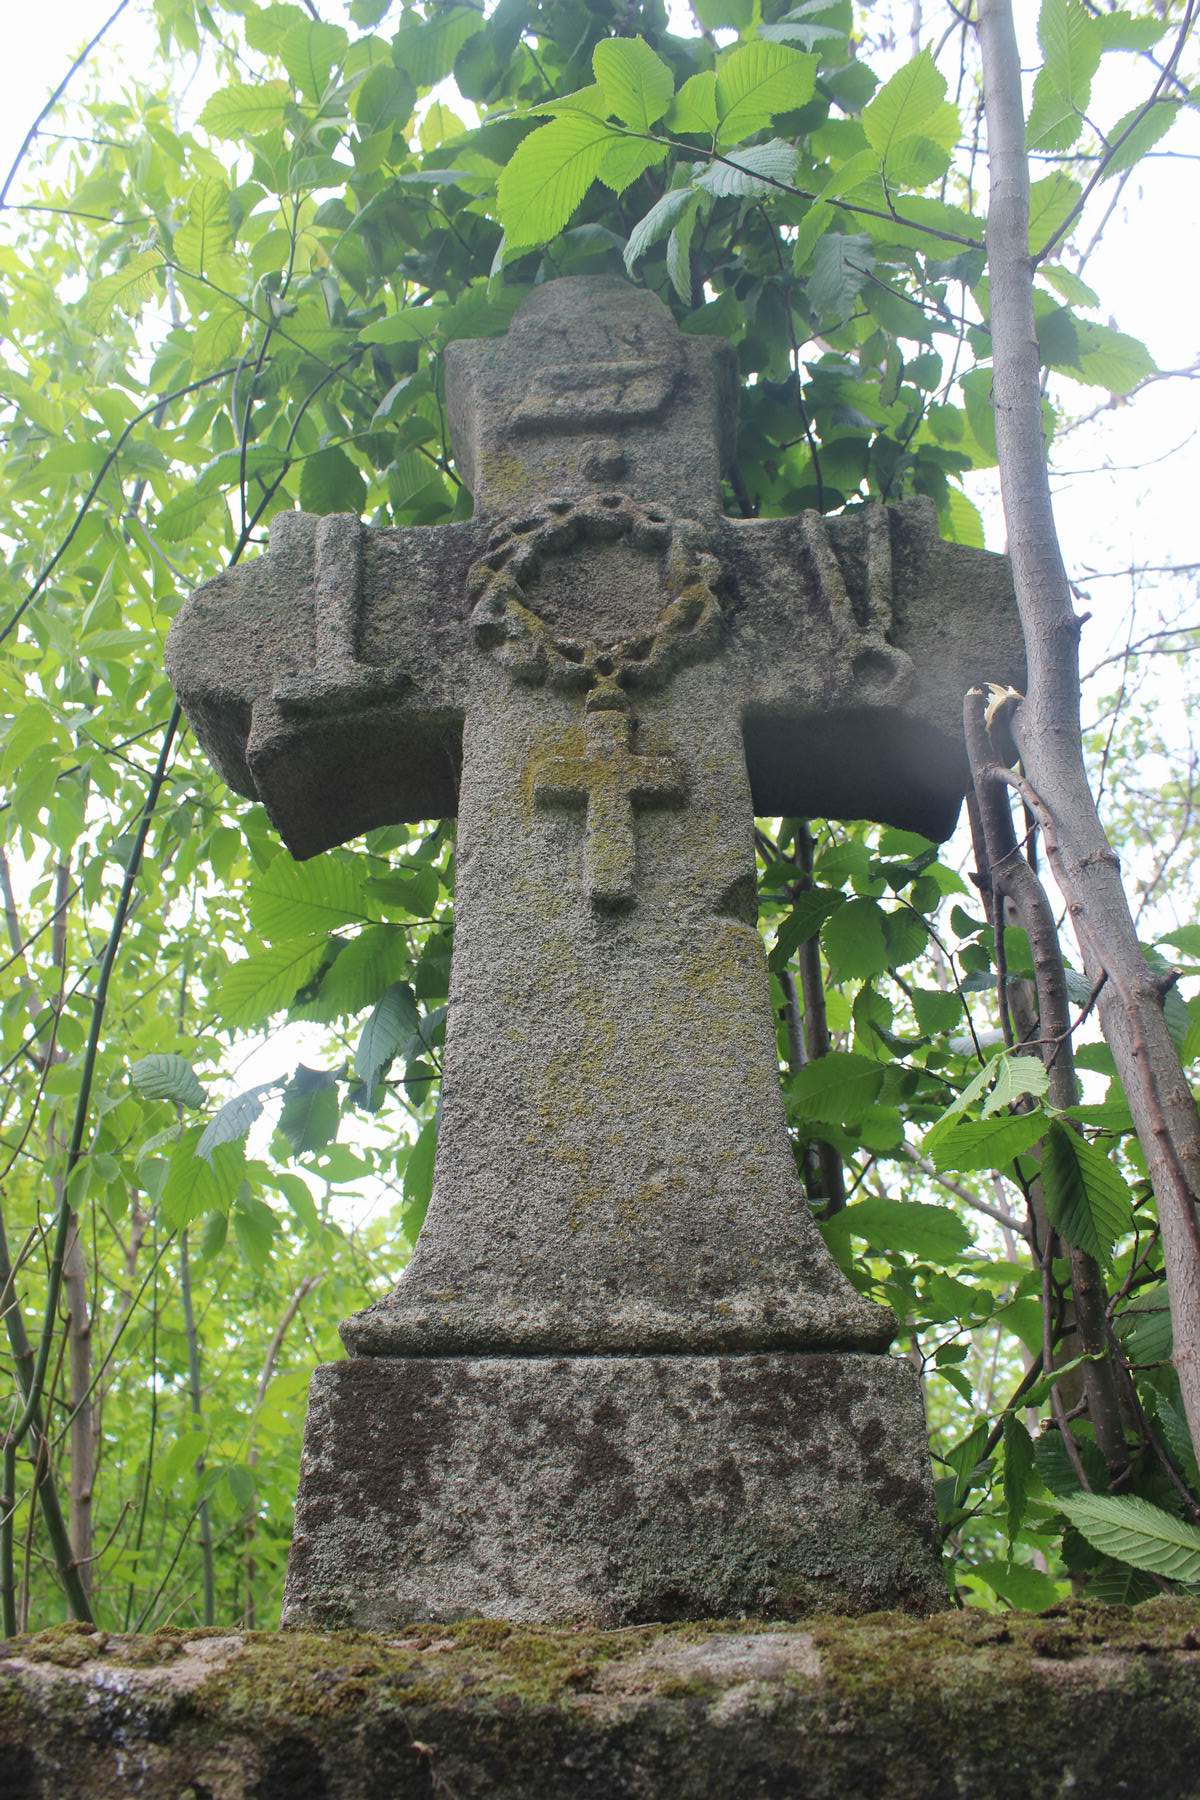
594	386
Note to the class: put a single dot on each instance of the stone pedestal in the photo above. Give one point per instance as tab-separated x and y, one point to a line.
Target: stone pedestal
612	1489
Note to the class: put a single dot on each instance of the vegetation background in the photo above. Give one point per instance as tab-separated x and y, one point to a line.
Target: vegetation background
230	269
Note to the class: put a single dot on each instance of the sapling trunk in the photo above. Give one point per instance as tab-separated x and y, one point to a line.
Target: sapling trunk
1046	726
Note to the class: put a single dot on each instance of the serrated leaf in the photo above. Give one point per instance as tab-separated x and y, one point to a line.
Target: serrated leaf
855	941
663	216
1056	1470
964	1458
125	291
197	1184
255	1228
694	109
245	109
204	240
751	171
1051	202
308	51
1133	1531
292	899
1145	1327
1019	1465
1071	46
234	1119
835	1088
331	483
972	1144
904	104
841	266
548	175
310	1113
1053	123
428	48
809	232
637	84
1086	1198
1016	1077
359	973
628	158
755	82
391	1028
809	911
166	1076
252	990
411	325
933	1234
418	1179
679	251
1110	359
964	519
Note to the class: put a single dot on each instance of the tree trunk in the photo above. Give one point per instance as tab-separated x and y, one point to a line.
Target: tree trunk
1047	723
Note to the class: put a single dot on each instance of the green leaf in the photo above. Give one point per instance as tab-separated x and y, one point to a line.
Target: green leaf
855	942
693	111
310	1113
637	84
1133	1531
250	991
755	82
1111	359
1053	123
418	1179
1016	1077
330	483
411	325
1051	203
936	1012
206	238
679	250
1072	48
917	1228
234	1119
167	1077
1019	1465
1086	1198
811	229
548	175
901	107
965	1457
245	109
427	49
255	1228
750	171
309	50
293	899
1023	1588
360	972
628	158
1145	1327
835	1088
126	291
972	1144
197	1184
841	266
809	911
391	1028
1056	1469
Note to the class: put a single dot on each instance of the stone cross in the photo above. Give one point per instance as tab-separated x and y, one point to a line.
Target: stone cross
604	678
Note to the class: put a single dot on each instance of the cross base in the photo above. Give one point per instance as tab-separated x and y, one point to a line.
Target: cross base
613	1490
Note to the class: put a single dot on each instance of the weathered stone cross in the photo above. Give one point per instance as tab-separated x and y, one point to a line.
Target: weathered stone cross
603	1385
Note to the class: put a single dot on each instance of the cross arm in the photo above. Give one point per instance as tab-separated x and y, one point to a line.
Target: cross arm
326	678
855	639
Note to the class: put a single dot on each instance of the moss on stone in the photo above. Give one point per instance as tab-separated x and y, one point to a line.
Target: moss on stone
1081	1699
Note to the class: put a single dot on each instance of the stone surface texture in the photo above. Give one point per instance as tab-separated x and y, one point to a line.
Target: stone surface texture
603	678
619	1489
1092	1703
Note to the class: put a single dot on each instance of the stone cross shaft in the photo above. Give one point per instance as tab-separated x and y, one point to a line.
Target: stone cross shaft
600	645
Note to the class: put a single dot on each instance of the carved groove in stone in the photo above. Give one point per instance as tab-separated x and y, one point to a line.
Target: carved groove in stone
862	646
339	678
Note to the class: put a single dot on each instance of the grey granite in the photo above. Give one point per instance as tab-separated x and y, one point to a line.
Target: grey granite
603	678
612	1489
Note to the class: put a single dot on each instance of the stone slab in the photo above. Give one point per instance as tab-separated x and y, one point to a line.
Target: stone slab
612	1489
1090	1702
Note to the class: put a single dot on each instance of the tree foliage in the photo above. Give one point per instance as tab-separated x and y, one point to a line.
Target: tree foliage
229	297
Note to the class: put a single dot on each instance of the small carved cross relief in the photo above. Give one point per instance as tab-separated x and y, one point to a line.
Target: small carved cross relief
608	780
